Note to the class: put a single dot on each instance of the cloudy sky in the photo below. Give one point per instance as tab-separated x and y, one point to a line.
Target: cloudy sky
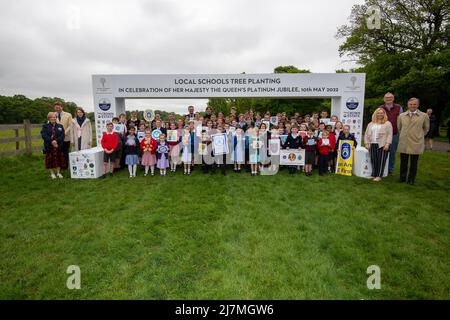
52	47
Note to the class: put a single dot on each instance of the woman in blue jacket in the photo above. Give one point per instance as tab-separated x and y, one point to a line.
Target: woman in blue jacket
53	135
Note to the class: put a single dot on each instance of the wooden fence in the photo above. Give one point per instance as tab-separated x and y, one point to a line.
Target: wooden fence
27	138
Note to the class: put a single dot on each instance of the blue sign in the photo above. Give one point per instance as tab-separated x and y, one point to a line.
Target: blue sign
346	151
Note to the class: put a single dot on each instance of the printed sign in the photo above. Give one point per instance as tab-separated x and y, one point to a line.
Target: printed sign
292	157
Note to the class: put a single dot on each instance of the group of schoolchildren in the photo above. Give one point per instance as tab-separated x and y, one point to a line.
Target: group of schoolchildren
133	142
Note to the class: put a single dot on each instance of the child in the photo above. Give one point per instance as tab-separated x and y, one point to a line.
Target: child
324	146
319	130
220	159
238	149
110	141
121	130
162	154
293	141
310	143
254	146
174	146
186	150
148	148
131	152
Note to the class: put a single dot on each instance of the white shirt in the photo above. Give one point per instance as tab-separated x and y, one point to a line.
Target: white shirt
374	132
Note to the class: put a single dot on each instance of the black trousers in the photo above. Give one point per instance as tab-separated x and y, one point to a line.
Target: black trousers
323	163
378	157
404	160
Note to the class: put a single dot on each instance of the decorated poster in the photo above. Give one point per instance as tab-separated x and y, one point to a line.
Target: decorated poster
202	149
140	135
172	135
344	164
219	143
274	121
156	133
149	115
292	157
274	147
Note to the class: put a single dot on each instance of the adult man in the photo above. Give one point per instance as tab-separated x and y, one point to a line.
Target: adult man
191	114
393	110
412	125
65	119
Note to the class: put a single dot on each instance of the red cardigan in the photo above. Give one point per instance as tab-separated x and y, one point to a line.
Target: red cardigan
325	150
110	141
145	144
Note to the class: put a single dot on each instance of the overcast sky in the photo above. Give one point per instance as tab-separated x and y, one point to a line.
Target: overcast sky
51	48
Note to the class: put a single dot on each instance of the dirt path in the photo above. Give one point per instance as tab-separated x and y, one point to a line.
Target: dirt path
439	146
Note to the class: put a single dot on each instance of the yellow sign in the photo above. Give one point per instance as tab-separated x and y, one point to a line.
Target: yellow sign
344	164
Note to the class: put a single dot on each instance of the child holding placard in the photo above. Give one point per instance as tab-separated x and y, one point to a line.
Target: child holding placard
186	151
310	143
162	155
132	151
174	154
293	141
238	149
325	146
148	148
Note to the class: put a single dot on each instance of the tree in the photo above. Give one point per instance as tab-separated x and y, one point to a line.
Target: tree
408	55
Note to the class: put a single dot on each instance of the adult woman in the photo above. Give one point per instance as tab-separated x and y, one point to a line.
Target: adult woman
378	138
53	135
81	133
434	128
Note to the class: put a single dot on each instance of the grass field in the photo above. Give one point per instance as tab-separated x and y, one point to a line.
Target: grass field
232	237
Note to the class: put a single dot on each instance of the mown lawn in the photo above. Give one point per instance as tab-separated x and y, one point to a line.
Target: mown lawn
232	237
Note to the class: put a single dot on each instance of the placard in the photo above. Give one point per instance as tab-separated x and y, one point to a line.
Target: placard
172	135
156	133
274	147
219	143
140	135
202	149
292	157
274	121
149	115
344	164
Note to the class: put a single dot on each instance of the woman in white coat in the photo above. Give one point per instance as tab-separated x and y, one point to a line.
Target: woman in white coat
81	133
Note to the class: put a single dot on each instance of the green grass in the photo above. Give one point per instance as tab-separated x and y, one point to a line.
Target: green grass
233	237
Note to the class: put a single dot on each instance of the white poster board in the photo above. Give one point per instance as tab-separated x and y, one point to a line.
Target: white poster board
86	164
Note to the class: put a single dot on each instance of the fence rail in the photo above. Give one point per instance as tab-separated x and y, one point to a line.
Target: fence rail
27	138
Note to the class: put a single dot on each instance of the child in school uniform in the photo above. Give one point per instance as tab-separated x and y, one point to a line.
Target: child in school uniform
255	145
293	141
148	149
186	151
238	149
310	143
162	155
131	150
220	159
174	153
325	146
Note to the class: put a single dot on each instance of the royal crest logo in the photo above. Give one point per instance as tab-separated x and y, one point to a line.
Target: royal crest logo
346	151
352	103
104	104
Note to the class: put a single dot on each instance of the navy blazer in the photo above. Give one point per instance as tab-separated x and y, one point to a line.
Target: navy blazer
46	133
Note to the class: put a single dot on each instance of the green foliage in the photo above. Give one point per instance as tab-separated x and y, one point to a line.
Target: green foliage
408	55
274	105
17	108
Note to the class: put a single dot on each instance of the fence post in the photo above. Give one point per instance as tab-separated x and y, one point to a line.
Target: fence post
27	130
16	131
